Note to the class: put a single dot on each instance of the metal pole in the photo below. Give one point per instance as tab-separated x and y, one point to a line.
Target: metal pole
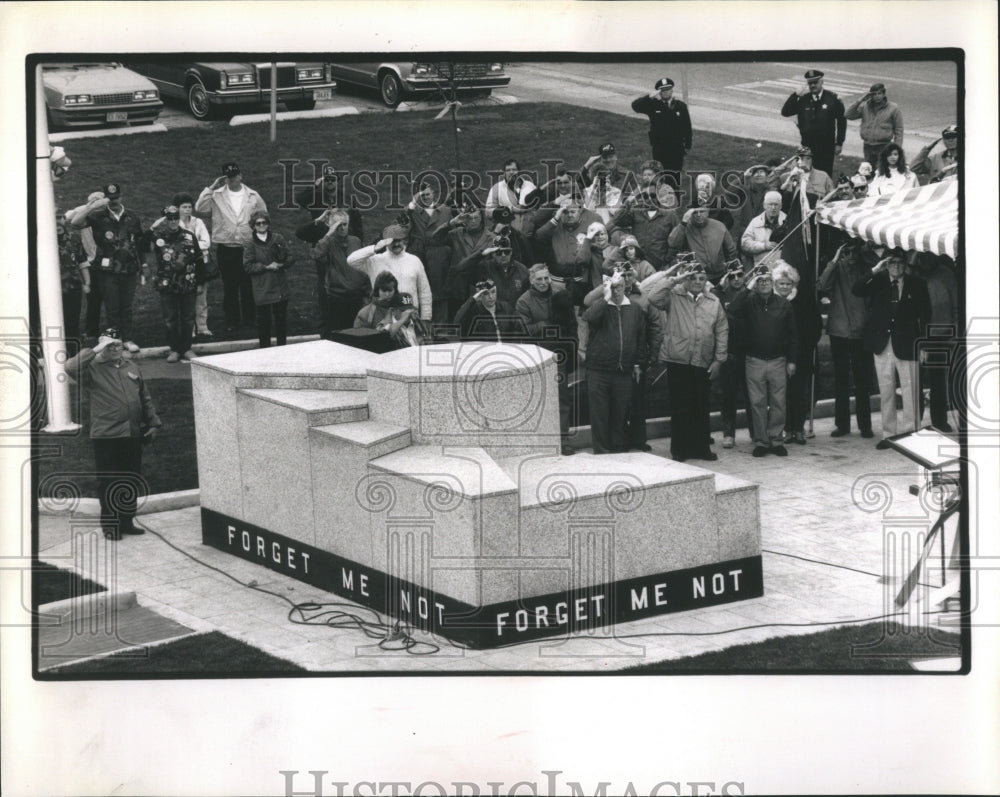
815	357
274	101
50	307
684	83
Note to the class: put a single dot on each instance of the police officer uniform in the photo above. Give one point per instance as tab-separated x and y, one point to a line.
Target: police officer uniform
820	119
669	126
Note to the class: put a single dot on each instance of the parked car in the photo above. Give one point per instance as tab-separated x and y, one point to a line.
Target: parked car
211	89
397	81
88	94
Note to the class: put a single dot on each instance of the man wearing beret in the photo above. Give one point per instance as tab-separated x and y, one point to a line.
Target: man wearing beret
119	237
231	204
881	121
820	118
122	418
669	125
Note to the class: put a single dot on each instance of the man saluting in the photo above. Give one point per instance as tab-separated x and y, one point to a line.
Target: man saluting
669	126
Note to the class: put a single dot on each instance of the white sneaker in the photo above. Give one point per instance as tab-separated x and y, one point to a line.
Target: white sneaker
131	347
188	356
173	357
728	442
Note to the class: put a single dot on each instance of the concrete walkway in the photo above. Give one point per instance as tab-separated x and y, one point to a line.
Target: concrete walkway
833	517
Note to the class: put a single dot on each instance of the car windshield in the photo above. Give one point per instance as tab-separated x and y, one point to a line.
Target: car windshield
81	66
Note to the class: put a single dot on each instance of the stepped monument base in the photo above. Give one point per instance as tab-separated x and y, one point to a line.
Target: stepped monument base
428	485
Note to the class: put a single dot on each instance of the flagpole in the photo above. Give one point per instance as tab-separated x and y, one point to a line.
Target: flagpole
50	305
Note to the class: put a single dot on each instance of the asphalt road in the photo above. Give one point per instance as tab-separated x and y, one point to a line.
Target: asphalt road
741	99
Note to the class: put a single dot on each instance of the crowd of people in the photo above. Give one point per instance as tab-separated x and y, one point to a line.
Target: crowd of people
624	273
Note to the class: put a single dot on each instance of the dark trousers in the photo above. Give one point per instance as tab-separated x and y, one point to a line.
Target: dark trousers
280	310
609	394
178	317
733	379
689	388
92	323
636	422
118	465
872	151
118	291
565	401
935	377
672	159
323	301
72	299
799	396
237	292
851	360
822	150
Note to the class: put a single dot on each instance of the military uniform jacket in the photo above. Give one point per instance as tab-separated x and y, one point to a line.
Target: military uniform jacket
669	125
118	241
818	118
179	261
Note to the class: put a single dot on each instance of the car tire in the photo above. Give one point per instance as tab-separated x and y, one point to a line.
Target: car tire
300	105
390	89
197	101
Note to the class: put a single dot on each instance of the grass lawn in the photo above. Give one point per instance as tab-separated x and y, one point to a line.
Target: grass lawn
151	168
872	647
202	654
50	583
168	464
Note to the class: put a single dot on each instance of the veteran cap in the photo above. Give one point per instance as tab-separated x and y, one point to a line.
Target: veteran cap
231	169
876	87
112	190
607	150
804	152
951	131
171	212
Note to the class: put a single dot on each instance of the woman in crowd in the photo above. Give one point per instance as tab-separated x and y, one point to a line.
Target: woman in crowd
628	249
391	311
265	260
809	327
892	174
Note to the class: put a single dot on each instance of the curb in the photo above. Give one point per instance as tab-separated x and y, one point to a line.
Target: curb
91	507
70	135
220	347
84	606
323	113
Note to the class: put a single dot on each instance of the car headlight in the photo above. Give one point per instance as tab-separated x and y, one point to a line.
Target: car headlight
423	69
237	79
496	67
148	94
77	99
310	73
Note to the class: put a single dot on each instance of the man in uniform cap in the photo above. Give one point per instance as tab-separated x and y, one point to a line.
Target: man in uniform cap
118	236
933	168
881	121
669	126
122	418
820	118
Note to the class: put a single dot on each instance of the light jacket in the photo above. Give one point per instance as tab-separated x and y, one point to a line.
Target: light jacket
228	226
756	238
697	330
878	125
